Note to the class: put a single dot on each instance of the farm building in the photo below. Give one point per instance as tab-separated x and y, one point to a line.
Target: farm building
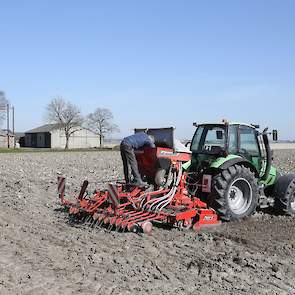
53	136
4	139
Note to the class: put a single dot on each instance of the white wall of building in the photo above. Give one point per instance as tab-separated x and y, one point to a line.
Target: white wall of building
81	139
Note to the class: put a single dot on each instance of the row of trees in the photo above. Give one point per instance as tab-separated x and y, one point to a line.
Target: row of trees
70	119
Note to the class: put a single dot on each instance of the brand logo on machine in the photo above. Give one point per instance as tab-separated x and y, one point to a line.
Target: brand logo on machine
208	218
166	153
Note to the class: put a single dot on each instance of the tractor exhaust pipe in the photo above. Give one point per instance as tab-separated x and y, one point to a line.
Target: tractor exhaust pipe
268	154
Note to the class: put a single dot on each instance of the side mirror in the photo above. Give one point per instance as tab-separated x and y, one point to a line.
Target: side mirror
219	134
275	135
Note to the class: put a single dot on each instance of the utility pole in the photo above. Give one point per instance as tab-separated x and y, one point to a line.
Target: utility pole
8	135
13	129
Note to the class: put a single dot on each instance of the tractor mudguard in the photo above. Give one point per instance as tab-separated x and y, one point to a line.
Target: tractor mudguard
221	160
272	177
226	162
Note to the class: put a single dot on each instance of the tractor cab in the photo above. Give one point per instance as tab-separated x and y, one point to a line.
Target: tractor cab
232	141
231	168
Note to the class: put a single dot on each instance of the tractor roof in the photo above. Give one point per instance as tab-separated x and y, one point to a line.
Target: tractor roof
240	123
229	123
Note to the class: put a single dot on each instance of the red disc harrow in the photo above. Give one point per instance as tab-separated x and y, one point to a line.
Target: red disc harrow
122	207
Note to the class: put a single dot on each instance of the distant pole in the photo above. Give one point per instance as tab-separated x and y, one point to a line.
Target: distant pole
13	130
8	141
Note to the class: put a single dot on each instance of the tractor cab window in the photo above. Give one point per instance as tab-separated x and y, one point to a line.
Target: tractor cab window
233	139
248	142
215	138
197	138
209	139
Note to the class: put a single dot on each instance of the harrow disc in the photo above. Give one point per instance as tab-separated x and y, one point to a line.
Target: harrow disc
147	227
185	224
135	228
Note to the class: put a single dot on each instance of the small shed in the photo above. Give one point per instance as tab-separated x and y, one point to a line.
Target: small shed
4	139
53	136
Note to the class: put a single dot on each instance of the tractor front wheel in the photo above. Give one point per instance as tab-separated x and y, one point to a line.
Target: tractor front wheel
234	193
284	193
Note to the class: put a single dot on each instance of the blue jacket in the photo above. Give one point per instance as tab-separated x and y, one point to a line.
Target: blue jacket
138	140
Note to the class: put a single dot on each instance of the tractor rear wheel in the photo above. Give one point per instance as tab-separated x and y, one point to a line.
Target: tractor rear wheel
284	193
234	193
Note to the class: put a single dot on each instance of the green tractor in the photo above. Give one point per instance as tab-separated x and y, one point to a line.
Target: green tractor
231	169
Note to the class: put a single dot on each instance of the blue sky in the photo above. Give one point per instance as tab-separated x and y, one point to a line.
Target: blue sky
153	63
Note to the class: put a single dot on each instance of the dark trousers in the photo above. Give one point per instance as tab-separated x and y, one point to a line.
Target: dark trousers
129	160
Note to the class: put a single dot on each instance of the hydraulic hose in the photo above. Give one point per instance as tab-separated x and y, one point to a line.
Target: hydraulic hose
158	204
153	202
163	201
173	193
143	197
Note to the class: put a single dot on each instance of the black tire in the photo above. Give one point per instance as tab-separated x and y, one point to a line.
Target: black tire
269	190
284	193
234	193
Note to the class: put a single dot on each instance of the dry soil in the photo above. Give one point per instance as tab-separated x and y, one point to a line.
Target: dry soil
42	253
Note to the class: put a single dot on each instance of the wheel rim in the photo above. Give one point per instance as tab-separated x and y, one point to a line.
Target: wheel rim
240	195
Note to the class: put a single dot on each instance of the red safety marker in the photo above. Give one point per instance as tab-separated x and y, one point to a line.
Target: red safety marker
112	188
83	189
61	186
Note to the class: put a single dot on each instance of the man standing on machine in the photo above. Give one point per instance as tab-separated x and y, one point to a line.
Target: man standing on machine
127	147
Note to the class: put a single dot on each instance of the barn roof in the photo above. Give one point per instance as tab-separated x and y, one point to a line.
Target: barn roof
51	127
44	128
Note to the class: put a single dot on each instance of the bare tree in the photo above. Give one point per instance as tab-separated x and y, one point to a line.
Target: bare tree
3	107
101	122
67	115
